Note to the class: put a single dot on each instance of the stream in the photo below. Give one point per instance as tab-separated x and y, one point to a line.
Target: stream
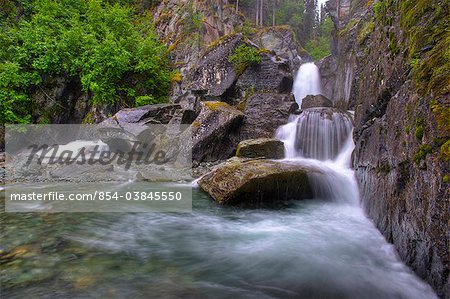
324	247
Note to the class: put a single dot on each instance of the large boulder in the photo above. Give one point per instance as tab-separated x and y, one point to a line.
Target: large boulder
313	101
271	75
215	132
268	148
215	74
281	40
249	182
265	113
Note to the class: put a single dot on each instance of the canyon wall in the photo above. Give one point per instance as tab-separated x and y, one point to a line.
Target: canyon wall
391	64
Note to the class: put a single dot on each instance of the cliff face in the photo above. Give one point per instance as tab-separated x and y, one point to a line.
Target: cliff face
393	68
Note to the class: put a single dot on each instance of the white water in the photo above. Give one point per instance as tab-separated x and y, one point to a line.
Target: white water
320	248
307	82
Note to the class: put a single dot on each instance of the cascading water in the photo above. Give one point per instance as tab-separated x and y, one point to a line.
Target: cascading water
310	249
307	82
321	138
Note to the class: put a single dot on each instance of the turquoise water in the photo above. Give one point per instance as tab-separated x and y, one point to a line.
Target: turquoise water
306	249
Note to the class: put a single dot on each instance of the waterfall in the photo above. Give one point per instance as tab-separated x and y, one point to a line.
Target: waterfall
307	82
322	138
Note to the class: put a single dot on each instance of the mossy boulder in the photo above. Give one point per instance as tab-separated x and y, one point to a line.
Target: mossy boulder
268	148
246	182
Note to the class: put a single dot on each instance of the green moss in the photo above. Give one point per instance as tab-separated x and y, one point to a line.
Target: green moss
89	118
441	113
223	39
445	151
407	129
421	154
446	179
419	129
350	25
365	31
377	7
214	105
384	168
242	104
426	26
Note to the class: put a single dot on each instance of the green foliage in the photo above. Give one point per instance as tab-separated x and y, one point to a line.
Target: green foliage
426	26
292	12
446	178
193	20
365	31
243	57
320	46
419	129
424	150
98	42
377	7
145	100
445	151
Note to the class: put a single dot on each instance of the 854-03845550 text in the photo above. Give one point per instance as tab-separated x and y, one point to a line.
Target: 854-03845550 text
98	195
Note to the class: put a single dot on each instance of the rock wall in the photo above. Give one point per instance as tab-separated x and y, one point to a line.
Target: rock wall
401	132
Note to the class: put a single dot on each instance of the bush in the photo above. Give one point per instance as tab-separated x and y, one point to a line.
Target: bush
98	42
243	57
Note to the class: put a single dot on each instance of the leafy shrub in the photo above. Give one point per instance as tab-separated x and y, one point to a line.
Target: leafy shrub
243	57
98	42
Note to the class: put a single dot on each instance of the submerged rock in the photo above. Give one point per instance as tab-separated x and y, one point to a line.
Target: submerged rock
215	132
249	182
268	148
313	101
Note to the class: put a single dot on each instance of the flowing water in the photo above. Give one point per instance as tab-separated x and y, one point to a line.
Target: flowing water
319	248
307	82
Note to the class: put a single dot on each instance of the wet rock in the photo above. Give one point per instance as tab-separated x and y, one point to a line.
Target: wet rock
271	75
155	114
215	132
282	42
328	69
215	74
311	101
253	182
265	113
268	148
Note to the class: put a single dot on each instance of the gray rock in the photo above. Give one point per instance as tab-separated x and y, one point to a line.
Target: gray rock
158	113
270	76
311	101
268	148
252	182
215	74
265	113
215	132
282	42
328	68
